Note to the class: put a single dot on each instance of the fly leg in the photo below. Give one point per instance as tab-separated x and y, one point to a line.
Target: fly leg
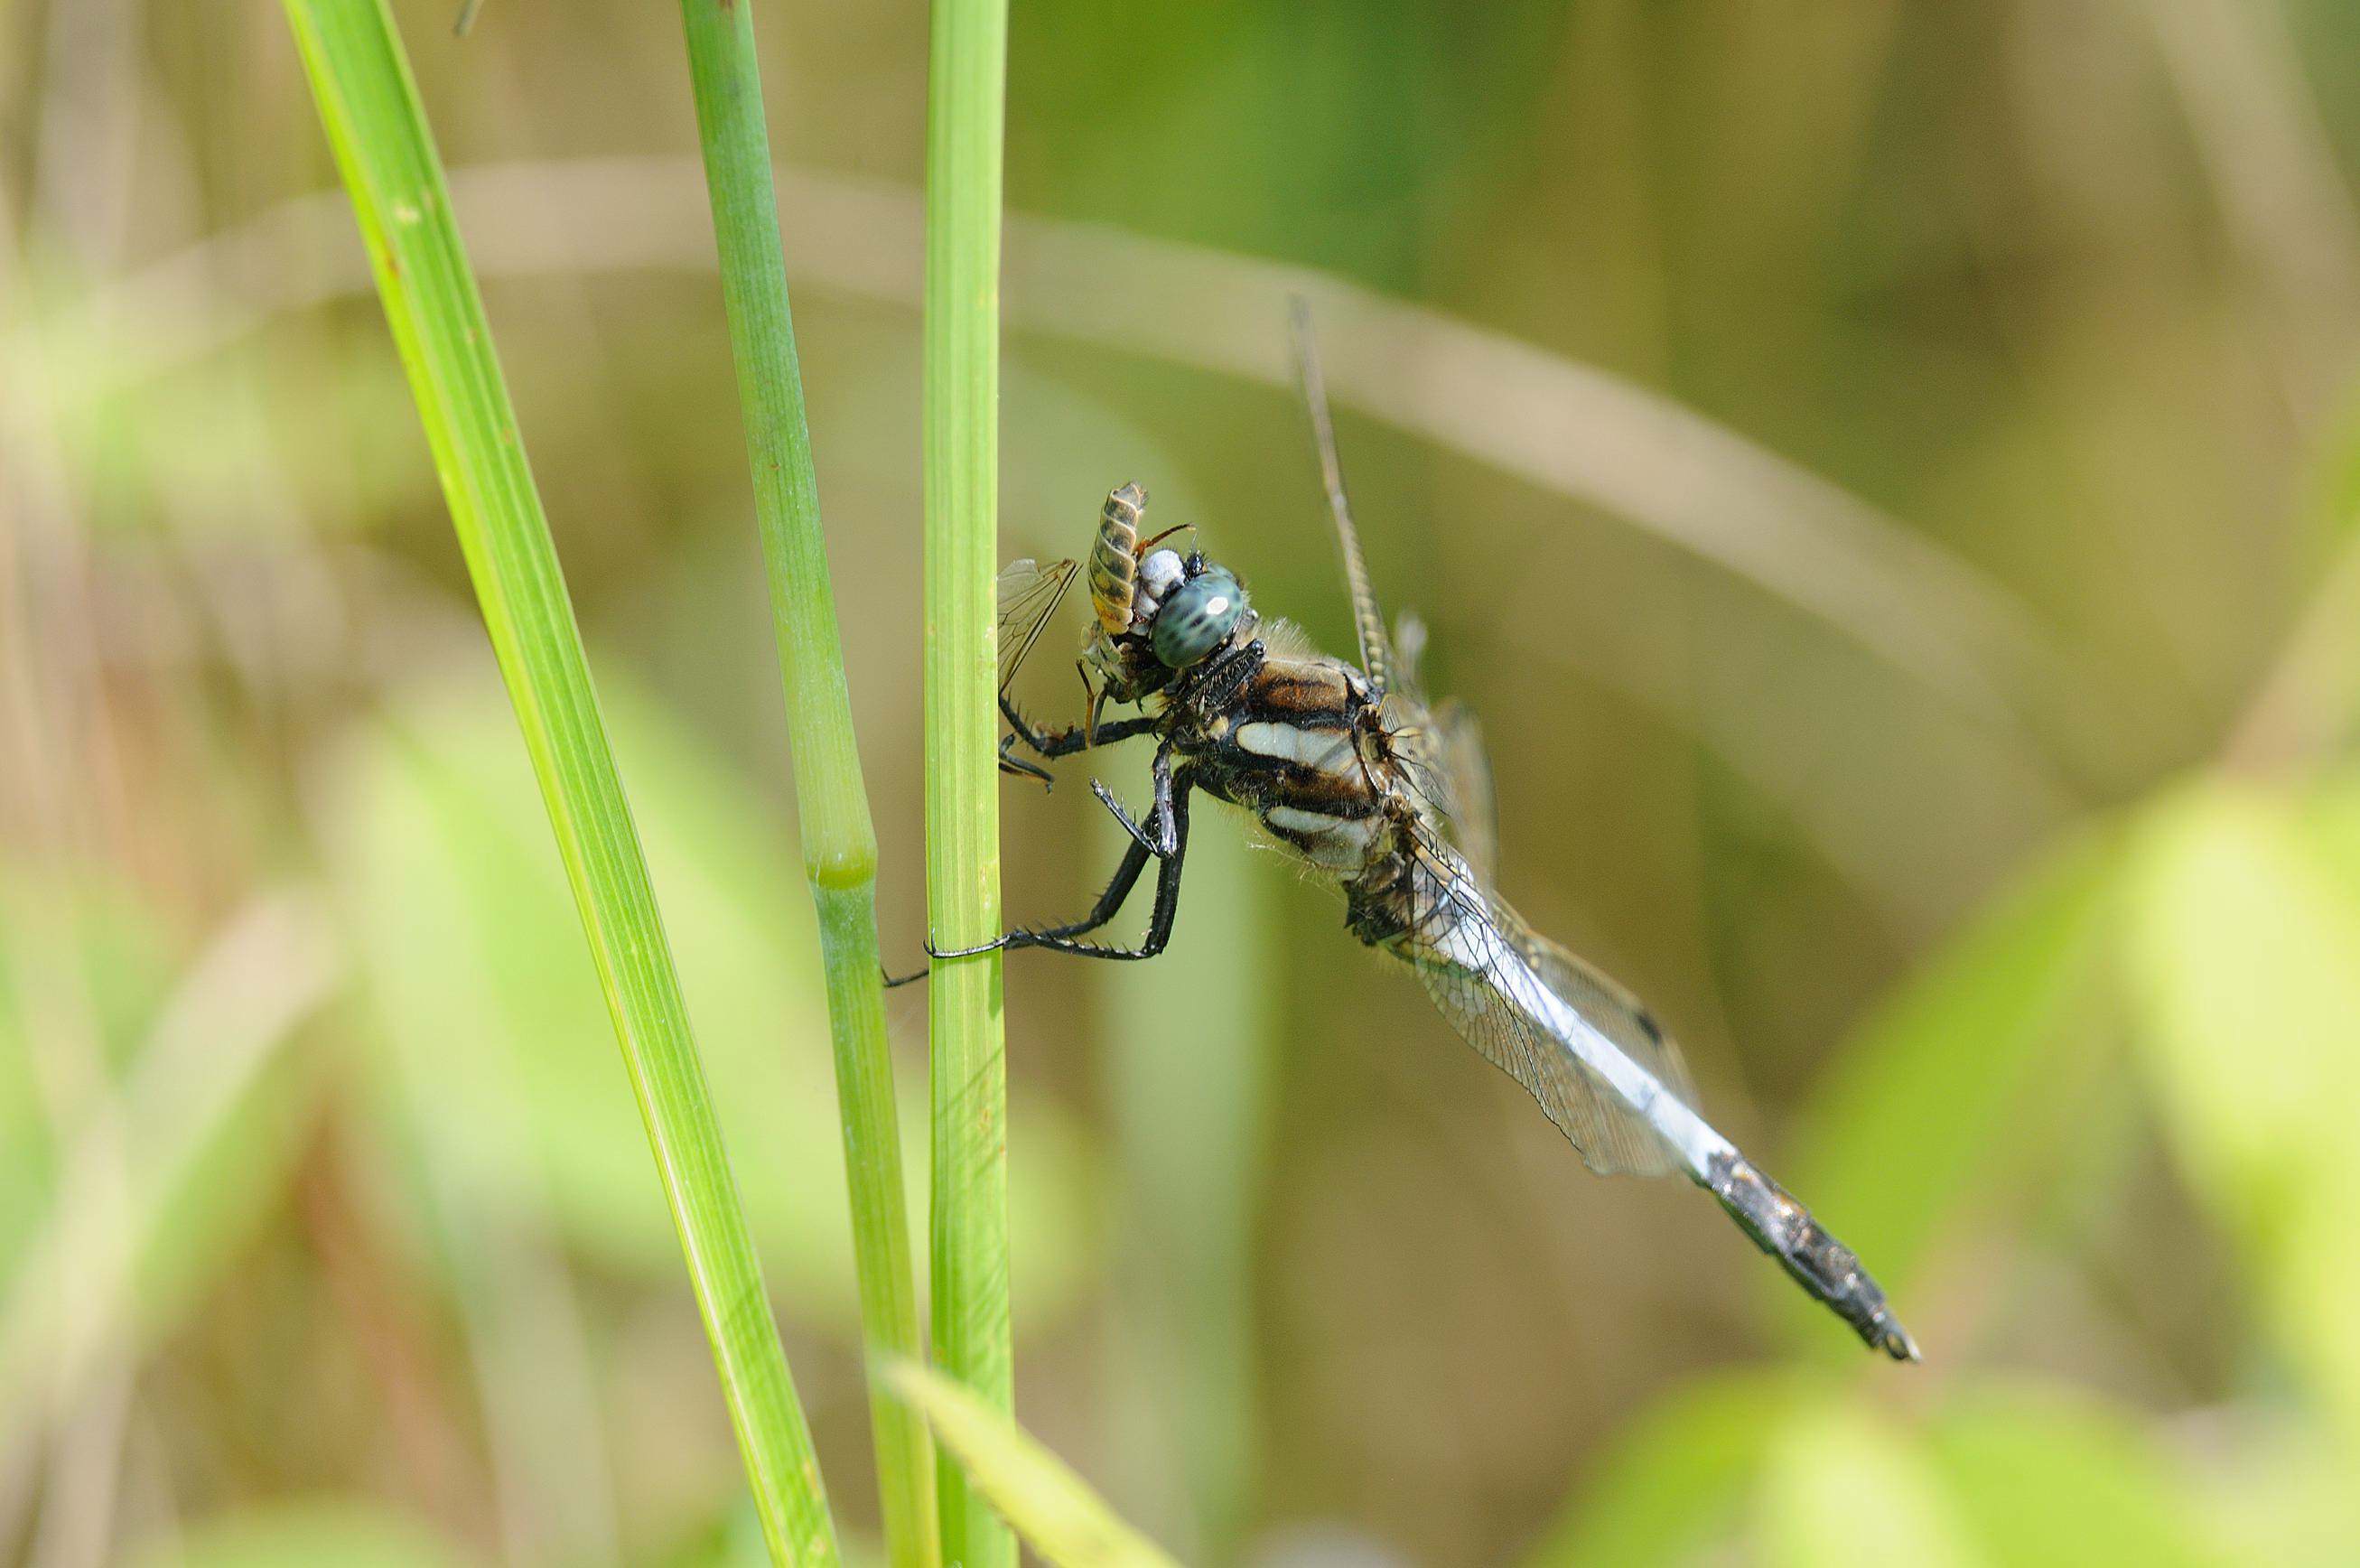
1011	763
1163	838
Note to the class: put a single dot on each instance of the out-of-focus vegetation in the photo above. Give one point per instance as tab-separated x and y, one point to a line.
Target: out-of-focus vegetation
1969	782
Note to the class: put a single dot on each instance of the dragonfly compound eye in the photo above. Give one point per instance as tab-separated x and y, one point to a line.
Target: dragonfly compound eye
1197	618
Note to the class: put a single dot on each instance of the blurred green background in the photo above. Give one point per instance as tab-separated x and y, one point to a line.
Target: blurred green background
1883	471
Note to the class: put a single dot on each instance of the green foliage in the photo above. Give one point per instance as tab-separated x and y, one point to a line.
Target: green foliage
1944	1106
1804	1473
1693	375
147	1199
2242	958
301	1534
2045	1479
1674	1484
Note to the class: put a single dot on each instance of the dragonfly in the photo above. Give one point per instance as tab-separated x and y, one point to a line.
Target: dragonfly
1373	788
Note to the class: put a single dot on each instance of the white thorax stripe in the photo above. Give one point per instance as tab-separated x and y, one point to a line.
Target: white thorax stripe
1342	842
1323	751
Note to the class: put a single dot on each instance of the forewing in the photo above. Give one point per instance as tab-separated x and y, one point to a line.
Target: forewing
1468	985
1029	596
1376	649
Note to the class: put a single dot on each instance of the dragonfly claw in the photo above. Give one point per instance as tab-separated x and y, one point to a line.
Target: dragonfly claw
991	947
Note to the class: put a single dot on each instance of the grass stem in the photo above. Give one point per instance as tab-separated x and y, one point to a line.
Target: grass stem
832	801
965	112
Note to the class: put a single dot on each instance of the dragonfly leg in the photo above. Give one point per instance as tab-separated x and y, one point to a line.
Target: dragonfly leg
1159	924
1226	674
1054	743
1109	903
1126	877
1161	843
1171	817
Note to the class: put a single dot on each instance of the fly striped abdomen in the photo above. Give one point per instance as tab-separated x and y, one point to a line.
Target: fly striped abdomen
1114	558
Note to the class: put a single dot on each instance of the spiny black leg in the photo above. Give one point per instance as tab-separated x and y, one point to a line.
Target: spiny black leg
1160	843
1109	903
1139	838
1159	925
1166	842
1226	675
1056	743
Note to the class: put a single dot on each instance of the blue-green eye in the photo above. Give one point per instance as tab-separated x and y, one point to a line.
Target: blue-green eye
1197	618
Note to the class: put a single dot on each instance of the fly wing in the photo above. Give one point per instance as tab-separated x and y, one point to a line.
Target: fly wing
1478	961
1029	595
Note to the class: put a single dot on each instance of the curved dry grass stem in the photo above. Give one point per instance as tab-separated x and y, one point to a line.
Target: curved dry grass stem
1567	428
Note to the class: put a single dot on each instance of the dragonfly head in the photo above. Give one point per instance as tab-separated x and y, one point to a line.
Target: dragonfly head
1197	614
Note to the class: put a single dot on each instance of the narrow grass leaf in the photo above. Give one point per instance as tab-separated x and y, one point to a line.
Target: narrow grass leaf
377	126
1057	1513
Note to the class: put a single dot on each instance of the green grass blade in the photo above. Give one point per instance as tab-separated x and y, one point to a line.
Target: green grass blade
1062	1518
964	110
370	109
839	841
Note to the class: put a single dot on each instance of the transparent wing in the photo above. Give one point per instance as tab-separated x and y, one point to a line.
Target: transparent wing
1441	747
1471	951
1450	751
1029	596
1376	650
1468	766
1608	1077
